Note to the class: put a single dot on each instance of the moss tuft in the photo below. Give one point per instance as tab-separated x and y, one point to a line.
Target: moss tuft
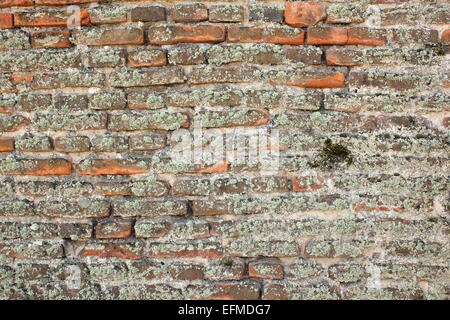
437	49
332	154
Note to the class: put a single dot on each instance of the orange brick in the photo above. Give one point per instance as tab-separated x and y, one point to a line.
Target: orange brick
48	19
24	79
160	35
343	57
106	37
6	20
156	58
113	229
221	166
319	35
265	270
50	39
62	2
15	3
303	14
275	35
6	144
327	35
111	166
366	36
446	36
333	80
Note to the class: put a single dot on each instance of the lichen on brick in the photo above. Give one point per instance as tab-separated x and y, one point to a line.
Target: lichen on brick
224	150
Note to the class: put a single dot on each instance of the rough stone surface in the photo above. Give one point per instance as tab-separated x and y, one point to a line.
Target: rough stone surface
231	149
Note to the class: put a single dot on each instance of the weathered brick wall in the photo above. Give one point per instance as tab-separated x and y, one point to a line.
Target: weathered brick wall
94	204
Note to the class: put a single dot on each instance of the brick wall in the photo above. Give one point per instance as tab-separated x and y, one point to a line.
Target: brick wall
97	100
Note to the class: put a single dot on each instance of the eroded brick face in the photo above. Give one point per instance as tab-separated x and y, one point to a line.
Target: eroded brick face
352	95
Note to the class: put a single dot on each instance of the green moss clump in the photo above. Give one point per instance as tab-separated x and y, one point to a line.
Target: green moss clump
332	154
437	49
226	261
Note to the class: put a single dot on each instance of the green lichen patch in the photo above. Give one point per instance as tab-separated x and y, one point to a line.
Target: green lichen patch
276	248
39	60
145	292
16	208
33	143
68	79
107	100
14	40
146	208
146	77
162	120
106	57
347	272
109	143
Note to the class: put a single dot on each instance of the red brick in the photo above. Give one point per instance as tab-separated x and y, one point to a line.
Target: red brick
88	135
366	37
221	166
174	34
62	2
6	144
113	229
327	35
186	271
123	36
113	250
6	20
51	167
275	292
15	3
344	57
147	58
313	80
24	79
275	35
110	166
446	36
48	18
303	14
148	14
51	39
265	270
307	184
319	35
